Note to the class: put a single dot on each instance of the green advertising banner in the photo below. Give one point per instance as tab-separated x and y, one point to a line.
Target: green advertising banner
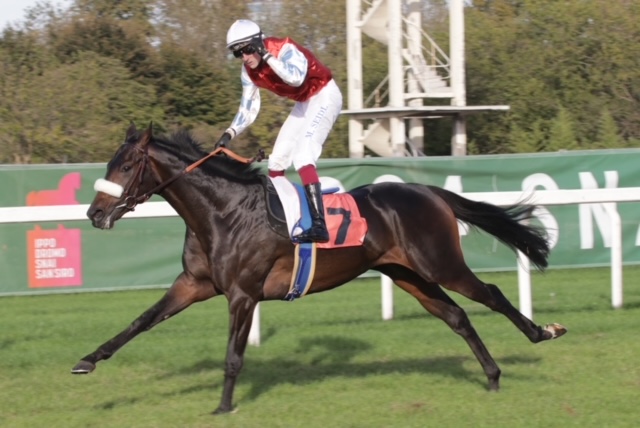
580	233
72	256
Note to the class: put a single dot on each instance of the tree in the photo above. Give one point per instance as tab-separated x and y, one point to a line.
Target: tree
139	12
106	37
525	140
535	55
608	136
562	135
192	91
198	26
22	60
80	117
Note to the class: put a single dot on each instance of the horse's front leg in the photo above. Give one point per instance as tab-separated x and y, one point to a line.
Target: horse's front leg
240	318
185	290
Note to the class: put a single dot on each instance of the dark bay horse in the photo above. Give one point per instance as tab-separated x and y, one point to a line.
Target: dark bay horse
231	250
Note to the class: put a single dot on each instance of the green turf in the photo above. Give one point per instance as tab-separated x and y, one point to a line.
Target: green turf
327	360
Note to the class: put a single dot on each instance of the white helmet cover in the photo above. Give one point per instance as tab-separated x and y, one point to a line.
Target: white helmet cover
241	32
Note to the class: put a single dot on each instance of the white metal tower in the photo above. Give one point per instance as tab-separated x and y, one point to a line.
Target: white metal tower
417	70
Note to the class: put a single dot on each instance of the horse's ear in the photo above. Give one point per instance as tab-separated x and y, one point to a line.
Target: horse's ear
146	135
131	132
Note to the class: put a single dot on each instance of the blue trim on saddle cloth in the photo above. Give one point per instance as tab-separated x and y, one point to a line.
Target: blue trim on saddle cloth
304	222
303	270
305	257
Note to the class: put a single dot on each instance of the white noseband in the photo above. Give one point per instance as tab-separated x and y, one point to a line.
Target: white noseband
108	187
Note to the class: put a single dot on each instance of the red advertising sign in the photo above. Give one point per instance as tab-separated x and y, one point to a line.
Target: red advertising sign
54	257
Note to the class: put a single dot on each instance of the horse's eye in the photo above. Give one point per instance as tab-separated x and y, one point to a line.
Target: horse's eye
125	168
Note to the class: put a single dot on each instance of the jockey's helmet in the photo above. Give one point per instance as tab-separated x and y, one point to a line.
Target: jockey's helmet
241	33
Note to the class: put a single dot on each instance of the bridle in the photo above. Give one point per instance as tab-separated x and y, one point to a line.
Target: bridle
130	193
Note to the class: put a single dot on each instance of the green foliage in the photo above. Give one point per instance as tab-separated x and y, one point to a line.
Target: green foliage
537	55
22	54
561	134
22	60
191	90
79	118
522	141
608	136
107	37
138	11
197	26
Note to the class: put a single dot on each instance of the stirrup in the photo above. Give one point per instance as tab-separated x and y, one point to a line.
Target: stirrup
313	235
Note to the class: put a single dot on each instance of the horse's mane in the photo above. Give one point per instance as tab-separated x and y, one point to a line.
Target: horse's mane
182	145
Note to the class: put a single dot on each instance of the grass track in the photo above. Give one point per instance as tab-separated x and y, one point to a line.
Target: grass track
327	360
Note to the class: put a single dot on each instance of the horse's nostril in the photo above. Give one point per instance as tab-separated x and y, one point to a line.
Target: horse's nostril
95	214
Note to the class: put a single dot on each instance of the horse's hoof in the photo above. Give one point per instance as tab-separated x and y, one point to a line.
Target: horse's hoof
556	330
83	367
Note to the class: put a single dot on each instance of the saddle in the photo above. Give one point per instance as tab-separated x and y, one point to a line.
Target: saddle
275	211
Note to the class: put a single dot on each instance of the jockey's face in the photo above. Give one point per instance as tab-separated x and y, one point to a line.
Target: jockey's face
251	60
248	55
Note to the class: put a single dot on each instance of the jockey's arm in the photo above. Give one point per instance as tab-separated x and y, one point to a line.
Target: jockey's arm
290	65
249	106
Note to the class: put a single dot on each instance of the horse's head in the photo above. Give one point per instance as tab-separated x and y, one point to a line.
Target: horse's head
127	179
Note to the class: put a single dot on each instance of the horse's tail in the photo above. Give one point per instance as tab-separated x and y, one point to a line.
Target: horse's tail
503	223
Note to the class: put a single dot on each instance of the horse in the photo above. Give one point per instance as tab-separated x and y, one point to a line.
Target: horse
231	250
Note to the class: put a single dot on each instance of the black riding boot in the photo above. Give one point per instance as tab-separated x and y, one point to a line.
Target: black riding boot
318	231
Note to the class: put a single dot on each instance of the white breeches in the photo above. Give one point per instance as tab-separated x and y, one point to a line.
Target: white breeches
304	132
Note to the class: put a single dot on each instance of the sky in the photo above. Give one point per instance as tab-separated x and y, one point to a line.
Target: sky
13	10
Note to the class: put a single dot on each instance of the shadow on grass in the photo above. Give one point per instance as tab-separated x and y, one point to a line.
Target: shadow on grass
480	313
474	310
112	404
332	357
631	305
7	343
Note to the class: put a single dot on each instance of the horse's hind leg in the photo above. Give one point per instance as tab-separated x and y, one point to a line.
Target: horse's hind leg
185	290
469	285
439	304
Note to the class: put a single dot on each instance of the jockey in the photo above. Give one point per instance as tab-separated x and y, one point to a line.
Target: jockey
289	70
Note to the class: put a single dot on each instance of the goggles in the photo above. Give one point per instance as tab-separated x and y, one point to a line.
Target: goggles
246	50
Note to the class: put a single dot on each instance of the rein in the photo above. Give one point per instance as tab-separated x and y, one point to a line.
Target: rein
131	200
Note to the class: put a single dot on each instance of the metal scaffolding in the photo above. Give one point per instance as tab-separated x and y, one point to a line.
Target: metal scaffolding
417	70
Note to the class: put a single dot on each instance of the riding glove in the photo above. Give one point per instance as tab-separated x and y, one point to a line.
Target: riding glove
223	141
258	45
